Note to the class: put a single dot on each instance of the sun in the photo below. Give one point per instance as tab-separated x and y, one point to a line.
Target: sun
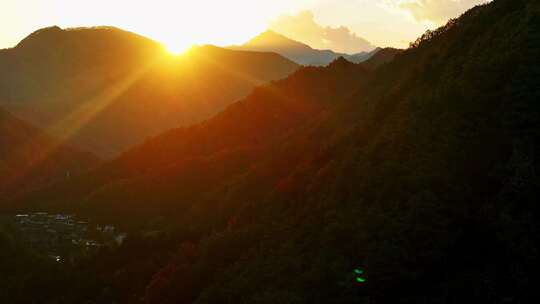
177	47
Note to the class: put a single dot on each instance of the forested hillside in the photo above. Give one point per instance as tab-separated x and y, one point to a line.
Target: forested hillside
412	183
381	57
236	142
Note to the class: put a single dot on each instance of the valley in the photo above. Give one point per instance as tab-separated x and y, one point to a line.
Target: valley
64	237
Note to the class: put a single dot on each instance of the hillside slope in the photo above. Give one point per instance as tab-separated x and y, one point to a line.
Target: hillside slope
419	176
29	158
233	142
106	90
382	56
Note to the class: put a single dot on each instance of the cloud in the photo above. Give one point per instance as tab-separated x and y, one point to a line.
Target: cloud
304	28
437	11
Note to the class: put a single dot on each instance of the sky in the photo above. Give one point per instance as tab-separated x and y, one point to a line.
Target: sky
342	25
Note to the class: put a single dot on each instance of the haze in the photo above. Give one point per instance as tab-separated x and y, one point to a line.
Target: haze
335	24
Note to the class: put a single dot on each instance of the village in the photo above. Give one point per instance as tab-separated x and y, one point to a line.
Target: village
64	237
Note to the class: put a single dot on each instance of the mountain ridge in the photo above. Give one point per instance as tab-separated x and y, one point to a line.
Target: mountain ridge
301	53
419	175
87	80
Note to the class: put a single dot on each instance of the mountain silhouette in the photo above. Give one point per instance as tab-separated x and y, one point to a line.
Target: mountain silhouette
420	175
298	52
105	90
382	56
362	57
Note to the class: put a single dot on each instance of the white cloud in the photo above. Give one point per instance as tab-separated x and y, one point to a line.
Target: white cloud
304	28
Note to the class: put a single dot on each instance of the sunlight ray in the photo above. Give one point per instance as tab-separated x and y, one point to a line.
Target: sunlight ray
74	122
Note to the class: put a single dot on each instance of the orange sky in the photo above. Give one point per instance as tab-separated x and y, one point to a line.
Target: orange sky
334	24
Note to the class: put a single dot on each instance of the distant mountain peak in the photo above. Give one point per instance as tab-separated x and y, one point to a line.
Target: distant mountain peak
272	34
54	28
271	38
301	53
44	32
54	34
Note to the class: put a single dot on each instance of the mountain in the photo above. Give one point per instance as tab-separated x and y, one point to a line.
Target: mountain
241	134
362	57
298	52
412	182
29	158
382	56
105	90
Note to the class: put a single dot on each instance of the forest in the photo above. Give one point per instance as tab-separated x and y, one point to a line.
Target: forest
407	180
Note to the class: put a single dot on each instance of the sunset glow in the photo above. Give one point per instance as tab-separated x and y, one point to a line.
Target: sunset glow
182	23
177	47
269	151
